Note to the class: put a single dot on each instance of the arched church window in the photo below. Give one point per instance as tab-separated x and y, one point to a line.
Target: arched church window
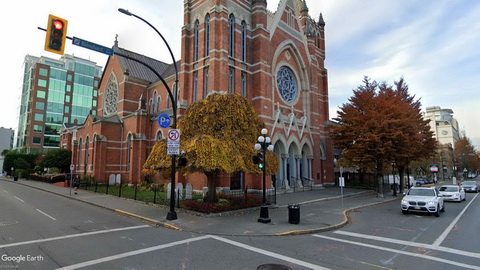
195	40
231	35
287	84
244	41
110	101
207	35
129	149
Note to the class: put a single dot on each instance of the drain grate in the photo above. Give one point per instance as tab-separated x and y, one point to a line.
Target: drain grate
8	223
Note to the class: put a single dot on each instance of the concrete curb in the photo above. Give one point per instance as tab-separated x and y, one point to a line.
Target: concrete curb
346	221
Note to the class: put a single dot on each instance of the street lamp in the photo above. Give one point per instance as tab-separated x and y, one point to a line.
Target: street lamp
263	144
171	215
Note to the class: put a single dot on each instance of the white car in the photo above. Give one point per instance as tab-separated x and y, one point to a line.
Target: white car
423	199
452	193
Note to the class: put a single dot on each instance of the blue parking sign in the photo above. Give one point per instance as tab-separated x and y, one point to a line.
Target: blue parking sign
163	120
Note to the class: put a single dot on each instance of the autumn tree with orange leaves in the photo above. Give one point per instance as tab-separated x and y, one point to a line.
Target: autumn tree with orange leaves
380	125
218	135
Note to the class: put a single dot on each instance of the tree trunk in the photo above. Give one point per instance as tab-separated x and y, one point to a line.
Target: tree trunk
379	177
401	170
212	187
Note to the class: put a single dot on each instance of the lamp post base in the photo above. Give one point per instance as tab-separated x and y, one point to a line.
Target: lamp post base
264	215
171	215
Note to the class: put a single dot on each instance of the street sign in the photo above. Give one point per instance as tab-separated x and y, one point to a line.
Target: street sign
173	142
163	120
341	181
72	167
434	169
92	46
173	135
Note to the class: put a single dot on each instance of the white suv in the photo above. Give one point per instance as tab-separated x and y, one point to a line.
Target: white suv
423	199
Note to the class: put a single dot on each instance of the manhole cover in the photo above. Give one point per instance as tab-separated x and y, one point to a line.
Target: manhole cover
8	223
273	267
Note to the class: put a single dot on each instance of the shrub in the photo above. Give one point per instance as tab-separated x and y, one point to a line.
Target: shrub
225	203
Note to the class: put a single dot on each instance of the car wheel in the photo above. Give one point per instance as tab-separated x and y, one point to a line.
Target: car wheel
465	198
437	213
405	212
418	184
443	208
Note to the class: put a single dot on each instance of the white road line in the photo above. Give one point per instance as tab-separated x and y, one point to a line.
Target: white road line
271	254
423	256
409	243
131	253
19	199
46	214
71	236
450	227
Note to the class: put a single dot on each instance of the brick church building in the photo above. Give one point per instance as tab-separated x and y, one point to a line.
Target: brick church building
276	60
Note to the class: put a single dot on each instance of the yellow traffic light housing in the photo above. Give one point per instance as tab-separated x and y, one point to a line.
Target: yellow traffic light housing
56	34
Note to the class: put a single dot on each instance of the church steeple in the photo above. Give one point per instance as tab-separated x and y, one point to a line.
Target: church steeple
304	7
321	22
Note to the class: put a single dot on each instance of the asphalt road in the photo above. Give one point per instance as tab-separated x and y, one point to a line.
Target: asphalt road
39	230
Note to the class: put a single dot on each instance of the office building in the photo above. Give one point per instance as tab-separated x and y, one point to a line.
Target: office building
443	125
54	92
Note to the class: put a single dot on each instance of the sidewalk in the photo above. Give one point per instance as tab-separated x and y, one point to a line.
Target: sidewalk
320	210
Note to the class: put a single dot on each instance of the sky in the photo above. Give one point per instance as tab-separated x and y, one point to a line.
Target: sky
432	44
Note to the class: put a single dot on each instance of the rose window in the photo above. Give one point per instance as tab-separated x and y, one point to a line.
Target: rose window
287	84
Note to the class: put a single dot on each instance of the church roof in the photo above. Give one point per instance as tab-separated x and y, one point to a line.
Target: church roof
137	70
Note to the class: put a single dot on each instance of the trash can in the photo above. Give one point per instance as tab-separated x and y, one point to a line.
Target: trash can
294	213
15	178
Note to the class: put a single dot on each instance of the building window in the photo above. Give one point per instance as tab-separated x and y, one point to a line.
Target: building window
207	35
43	72
129	149
195	86
38	117
159	136
40	105
37	128
42	83
154	109
195	40
37	140
79	153
150	105
287	84
244	41
87	155
110	101
41	94
231	36
244	84
158	104
231	80
205	83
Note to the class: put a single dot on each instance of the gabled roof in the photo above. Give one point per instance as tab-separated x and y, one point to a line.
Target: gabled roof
138	70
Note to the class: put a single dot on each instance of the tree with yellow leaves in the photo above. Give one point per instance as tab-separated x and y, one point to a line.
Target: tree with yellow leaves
218	135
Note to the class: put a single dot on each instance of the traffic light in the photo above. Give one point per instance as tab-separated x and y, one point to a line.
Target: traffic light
56	34
261	160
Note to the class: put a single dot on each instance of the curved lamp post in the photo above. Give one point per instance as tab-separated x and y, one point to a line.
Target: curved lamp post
264	144
171	215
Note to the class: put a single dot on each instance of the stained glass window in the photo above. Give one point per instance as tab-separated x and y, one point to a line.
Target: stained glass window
287	84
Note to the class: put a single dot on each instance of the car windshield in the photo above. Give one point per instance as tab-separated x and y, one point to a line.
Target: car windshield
469	183
421	192
449	189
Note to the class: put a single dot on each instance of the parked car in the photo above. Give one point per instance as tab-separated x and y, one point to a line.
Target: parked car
423	199
452	193
471	186
420	182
